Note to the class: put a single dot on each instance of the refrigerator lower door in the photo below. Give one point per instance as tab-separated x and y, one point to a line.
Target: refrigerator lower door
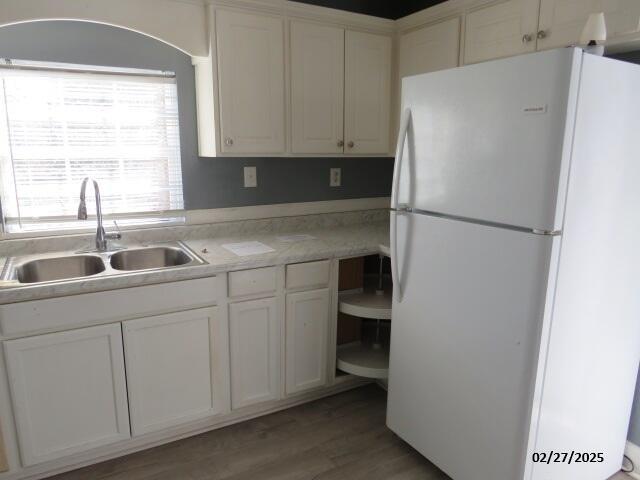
464	343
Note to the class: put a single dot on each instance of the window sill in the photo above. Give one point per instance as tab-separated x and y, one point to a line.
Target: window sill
68	228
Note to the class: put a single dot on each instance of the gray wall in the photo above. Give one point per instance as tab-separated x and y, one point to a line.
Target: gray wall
634	425
208	182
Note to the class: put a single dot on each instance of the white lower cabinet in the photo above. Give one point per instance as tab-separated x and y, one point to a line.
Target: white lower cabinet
254	341
170	361
69	392
307	322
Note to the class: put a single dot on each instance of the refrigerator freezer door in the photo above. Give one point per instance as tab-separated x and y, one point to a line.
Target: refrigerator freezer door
464	343
492	141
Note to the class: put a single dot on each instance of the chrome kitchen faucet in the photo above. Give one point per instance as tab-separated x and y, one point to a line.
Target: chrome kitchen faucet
101	236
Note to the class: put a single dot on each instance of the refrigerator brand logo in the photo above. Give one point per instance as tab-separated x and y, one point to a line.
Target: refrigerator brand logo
535	109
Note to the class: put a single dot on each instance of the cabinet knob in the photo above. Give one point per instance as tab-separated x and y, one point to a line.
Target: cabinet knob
228	142
527	37
341	143
351	144
542	34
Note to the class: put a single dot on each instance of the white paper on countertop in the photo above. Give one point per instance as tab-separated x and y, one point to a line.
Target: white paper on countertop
244	249
296	238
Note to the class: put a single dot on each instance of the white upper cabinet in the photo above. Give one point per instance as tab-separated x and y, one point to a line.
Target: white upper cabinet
562	21
430	48
170	369
250	51
367	92
317	88
69	391
276	84
501	29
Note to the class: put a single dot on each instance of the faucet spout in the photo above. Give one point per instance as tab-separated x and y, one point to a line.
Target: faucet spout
101	236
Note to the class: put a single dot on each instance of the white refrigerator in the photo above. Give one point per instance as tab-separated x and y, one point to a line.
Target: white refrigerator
515	241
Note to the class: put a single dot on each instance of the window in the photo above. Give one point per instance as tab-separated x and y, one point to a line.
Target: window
60	123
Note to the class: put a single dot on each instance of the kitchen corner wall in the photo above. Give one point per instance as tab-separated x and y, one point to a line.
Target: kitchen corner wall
207	182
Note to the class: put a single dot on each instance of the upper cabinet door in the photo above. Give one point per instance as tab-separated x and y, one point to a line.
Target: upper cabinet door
317	88
434	47
501	30
367	93
562	21
251	82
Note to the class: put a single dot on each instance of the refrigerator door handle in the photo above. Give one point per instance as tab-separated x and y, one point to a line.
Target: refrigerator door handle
402	136
395	275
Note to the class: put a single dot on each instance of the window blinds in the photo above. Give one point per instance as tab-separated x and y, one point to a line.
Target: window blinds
59	125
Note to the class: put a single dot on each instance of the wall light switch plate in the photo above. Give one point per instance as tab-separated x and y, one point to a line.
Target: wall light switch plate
250	177
335	177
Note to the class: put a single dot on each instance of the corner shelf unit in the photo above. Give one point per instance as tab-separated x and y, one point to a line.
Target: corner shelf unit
366	304
367	357
363	360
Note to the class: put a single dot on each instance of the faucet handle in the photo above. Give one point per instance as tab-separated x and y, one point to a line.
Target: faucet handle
114	235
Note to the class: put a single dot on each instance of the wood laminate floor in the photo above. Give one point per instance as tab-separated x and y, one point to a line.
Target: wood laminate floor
342	437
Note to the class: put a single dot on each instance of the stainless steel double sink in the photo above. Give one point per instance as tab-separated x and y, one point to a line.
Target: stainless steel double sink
42	268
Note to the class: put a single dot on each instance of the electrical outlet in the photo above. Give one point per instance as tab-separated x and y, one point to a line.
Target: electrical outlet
250	177
335	177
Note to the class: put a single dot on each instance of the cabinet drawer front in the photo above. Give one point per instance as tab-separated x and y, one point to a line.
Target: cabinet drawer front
101	307
311	274
252	282
68	391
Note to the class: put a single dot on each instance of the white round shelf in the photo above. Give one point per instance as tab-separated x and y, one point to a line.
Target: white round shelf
363	360
367	304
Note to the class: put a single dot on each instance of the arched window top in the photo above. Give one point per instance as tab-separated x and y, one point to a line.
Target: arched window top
180	24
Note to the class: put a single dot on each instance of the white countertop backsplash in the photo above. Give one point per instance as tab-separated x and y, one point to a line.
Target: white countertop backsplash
336	235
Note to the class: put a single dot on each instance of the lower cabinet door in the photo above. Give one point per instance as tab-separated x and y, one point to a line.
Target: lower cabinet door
307	322
68	391
169	361
254	337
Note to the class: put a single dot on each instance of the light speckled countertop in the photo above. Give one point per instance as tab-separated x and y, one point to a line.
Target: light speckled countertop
335	237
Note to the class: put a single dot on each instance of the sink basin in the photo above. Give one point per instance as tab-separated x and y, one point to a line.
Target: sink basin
147	258
59	268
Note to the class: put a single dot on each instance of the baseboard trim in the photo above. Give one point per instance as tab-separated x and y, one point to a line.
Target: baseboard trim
257	212
633	452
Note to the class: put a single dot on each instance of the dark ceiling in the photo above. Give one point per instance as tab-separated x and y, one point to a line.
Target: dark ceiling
379	8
